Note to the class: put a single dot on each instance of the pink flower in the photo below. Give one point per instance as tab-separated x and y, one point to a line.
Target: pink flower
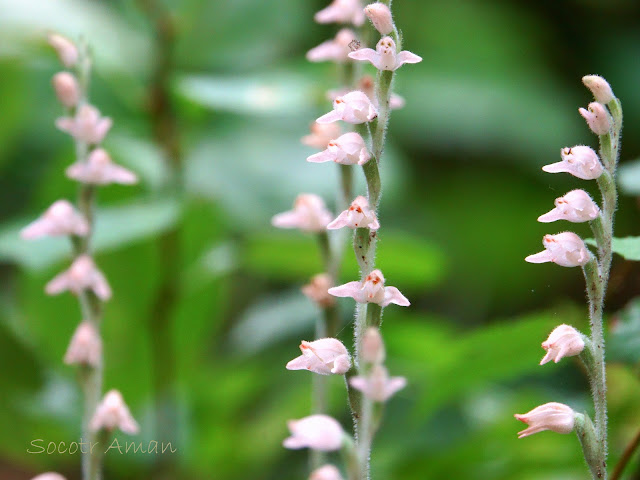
384	57
67	89
354	107
599	87
377	385
347	149
597	118
85	347
59	219
563	341
553	416
358	215
318	432
342	11
575	206
317	290
324	356
380	16
321	134
309	214
49	476
99	169
565	249
372	351
66	50
366	84
336	50
82	275
113	413
372	290
326	472
580	161
87	126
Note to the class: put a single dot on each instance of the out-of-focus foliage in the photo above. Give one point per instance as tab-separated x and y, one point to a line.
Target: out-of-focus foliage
495	98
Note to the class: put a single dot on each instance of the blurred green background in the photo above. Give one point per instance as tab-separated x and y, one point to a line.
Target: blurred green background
207	308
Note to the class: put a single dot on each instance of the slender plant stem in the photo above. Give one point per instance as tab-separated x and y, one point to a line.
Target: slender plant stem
626	457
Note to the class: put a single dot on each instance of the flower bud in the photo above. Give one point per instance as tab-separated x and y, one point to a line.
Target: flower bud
380	16
318	432
318	290
309	214
113	413
563	341
324	356
67	89
565	249
580	161
372	347
599	87
65	48
85	347
597	118
49	476
326	472
576	206
553	416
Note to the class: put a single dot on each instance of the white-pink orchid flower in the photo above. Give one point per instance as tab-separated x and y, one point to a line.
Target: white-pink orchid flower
599	87
358	215
61	218
565	249
377	385
367	85
326	472
372	290
580	161
99	169
597	118
67	89
309	214
113	413
563	341
336	49
324	356
87	126
85	347
318	432
82	275
321	134
553	416
575	206
385	57
353	107
317	290
342	11
348	149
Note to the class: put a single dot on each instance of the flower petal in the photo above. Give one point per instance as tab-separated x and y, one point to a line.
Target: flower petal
393	295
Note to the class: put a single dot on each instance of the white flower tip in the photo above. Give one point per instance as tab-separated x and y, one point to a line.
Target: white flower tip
65	48
599	87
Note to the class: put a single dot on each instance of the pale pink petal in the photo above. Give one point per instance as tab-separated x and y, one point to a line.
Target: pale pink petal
359	383
118	174
406	57
324	156
375	225
540	257
36	229
350	289
558	167
341	364
341	221
330	117
288	219
65	124
393	385
367	55
365	156
393	295
100	286
551	216
101	129
58	284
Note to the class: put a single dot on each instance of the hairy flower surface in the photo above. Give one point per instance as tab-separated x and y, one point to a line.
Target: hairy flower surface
113	413
565	249
599	87
99	169
597	118
326	472
353	107
309	214
377	385
563	341
342	11
318	290
553	416
576	206
324	356
86	126
372	290
380	17
358	215
580	161
321	134
336	49
61	218
85	347
82	275
384	57
348	149
318	432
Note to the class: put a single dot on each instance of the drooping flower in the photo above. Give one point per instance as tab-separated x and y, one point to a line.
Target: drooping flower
563	341
575	206
49	476
353	107
377	385
324	356
85	347
368	86
348	149
113	413
309	214
385	57
580	161
83	274
321	134
553	416
326	472
380	17
66	88
597	118
341	11
599	87
358	215
372	290
99	169
61	218
65	48
336	49
87	125
565	249
318	432
318	290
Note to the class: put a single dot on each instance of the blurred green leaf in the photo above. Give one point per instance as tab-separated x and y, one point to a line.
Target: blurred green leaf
624	337
627	247
629	177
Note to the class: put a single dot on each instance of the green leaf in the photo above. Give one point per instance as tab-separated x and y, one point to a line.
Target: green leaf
629	177
627	247
624	338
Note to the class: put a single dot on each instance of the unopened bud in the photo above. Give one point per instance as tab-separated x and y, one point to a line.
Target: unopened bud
65	48
599	87
380	16
85	347
373	347
67	89
597	118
